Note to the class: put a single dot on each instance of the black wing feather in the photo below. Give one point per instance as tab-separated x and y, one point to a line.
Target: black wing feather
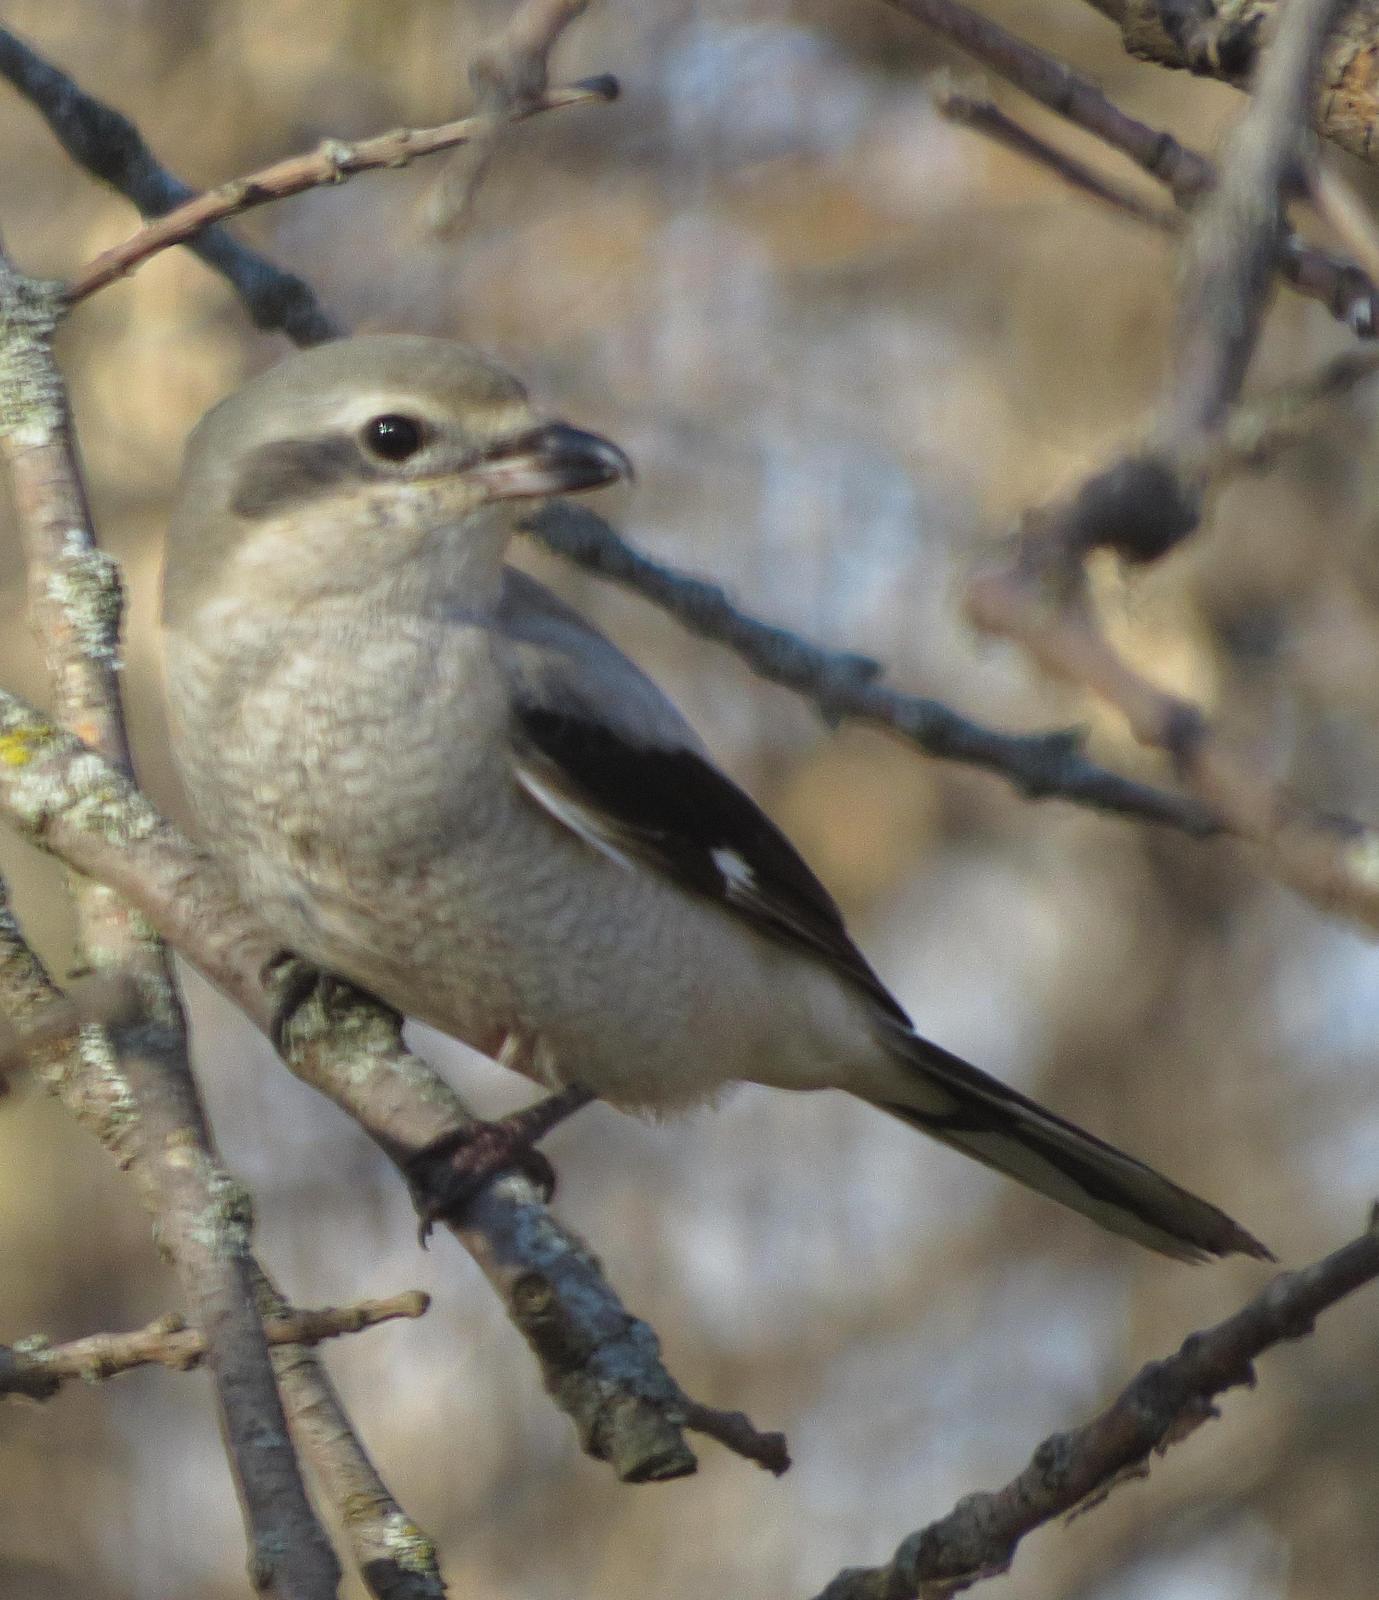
676	812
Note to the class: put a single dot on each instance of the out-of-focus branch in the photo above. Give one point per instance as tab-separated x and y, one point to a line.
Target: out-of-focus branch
1223	40
395	1559
1340	285
1147	502
987	118
38	1369
332	161
600	1364
153	1122
507	75
108	145
1165	1402
1239	229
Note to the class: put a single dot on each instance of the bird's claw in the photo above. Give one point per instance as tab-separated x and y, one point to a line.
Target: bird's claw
448	1174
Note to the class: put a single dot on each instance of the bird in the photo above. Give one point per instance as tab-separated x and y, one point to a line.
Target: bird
433	779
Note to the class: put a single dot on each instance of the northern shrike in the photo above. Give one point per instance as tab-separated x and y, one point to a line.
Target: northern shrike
432	777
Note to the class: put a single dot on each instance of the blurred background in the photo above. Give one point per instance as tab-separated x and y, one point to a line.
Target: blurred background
844	343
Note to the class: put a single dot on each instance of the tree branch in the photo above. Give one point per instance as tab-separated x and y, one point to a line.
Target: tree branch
37	1369
332	161
1223	40
395	1559
1146	503
108	146
1164	1403
1340	285
507	75
844	687
154	1123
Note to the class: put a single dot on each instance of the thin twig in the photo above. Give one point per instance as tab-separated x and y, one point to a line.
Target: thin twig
108	145
332	161
1165	1402
987	118
37	1369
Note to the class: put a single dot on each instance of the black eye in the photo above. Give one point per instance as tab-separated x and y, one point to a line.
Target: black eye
393	437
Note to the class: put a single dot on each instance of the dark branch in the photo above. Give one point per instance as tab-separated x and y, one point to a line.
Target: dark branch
1162	1405
106	144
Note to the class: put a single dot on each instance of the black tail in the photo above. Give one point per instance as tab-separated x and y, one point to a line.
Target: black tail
954	1102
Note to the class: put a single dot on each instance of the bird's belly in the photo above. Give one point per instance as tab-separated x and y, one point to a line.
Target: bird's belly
572	969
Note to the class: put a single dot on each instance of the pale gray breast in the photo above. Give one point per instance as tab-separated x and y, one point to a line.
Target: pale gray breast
333	734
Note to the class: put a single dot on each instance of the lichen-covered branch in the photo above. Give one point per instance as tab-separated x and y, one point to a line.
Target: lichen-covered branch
394	1557
601	1364
37	1369
1165	1402
154	1125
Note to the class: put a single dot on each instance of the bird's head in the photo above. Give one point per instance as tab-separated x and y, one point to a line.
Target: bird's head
352	457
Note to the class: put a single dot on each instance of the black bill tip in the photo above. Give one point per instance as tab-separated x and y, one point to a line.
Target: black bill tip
551	459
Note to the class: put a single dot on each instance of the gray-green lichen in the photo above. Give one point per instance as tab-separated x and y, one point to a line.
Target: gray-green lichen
225	1225
31	395
408	1545
87	589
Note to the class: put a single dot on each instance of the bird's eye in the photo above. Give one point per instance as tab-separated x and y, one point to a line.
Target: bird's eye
394	437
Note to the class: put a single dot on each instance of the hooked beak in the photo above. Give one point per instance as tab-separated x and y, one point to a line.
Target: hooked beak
553	458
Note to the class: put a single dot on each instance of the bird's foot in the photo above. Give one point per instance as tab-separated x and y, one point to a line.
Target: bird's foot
291	982
447	1174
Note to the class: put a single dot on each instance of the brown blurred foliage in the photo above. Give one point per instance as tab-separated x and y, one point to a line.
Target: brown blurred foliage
844	343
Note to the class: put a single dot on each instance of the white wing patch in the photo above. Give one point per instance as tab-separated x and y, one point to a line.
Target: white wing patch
737	875
570	814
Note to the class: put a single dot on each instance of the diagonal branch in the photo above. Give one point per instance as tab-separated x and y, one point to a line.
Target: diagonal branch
107	144
395	1559
1146	503
1164	1403
844	687
332	161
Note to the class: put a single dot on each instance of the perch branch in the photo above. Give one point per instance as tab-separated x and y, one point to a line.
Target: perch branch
600	1364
